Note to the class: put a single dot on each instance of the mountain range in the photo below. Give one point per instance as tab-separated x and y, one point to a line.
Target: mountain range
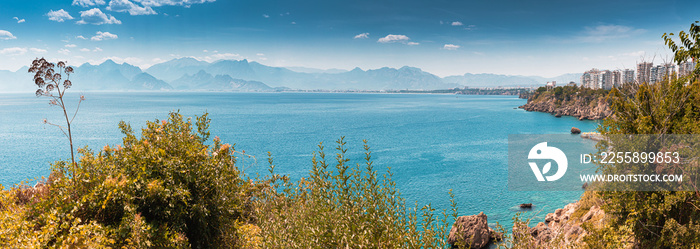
243	75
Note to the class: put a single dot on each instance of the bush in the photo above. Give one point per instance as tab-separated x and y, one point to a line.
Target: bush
168	189
344	206
164	189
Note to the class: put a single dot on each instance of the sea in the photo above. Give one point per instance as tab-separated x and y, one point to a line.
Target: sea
431	142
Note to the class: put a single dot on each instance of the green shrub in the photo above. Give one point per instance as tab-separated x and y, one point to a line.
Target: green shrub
164	189
342	205
168	189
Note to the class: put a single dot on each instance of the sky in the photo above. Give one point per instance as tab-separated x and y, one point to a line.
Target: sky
443	37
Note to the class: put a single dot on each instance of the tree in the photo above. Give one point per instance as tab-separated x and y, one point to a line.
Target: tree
48	78
690	46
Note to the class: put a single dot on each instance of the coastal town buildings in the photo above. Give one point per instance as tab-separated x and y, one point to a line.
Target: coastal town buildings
686	68
644	72
627	76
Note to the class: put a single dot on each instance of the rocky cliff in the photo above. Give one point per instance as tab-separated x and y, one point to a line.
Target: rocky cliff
565	228
580	104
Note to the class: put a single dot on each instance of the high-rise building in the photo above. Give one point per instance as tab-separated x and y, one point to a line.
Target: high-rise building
617	78
661	72
592	79
644	72
606	80
627	76
686	68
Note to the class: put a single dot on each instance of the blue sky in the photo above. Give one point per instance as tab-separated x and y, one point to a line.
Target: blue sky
444	37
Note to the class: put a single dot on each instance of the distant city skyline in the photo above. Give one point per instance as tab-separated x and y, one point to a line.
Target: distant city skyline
548	38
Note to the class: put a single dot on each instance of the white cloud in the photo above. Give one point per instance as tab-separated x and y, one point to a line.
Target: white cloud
470	27
457	24
102	36
88	3
260	54
294	23
59	15
13	51
96	17
635	54
38	50
19	20
64	51
602	33
266	16
450	47
71	45
412	43
394	38
220	56
84	50
362	36
6	35
133	9
186	3
97	49
81	37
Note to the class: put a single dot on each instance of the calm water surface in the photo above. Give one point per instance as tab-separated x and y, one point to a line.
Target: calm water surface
432	143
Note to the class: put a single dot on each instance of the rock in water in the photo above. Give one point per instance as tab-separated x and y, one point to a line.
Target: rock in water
526	205
470	231
575	130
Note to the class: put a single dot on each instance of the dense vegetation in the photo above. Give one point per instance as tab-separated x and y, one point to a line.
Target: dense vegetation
169	188
659	219
566	93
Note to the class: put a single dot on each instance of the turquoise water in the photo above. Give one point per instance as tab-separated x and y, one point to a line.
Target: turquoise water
433	143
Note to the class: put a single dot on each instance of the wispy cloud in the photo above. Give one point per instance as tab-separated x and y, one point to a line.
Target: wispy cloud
603	33
96	17
635	54
64	51
185	3
220	56
266	16
97	49
38	50
394	38
81	37
6	35
88	3
362	36
70	45
470	27
450	47
59	15
13	51
19	20
84	50
412	43
128	6
102	36
457	24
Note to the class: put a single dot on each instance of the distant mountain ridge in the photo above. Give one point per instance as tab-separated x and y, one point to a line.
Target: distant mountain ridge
242	75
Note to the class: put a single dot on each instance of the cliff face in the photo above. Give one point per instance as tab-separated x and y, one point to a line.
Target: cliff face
588	107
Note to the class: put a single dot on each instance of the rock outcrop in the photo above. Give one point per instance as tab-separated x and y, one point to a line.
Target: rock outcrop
560	228
575	130
580	107
472	232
